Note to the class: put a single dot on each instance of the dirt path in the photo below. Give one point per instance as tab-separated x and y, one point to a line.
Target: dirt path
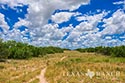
43	71
42	76
63	58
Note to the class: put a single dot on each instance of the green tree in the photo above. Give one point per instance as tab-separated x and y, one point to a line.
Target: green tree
3	50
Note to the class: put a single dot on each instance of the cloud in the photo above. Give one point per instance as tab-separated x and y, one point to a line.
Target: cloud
119	2
40	11
88	25
61	17
91	18
60	3
3	24
21	22
12	3
85	34
14	34
114	24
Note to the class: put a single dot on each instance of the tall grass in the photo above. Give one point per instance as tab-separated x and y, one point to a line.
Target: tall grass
72	68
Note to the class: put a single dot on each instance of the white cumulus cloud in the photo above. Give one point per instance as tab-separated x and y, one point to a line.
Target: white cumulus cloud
115	24
85	34
3	24
61	17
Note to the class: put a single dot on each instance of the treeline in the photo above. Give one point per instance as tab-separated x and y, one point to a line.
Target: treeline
18	50
117	51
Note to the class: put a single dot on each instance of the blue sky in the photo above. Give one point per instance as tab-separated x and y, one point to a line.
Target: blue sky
67	24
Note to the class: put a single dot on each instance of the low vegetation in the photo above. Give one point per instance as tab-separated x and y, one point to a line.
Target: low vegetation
63	65
67	67
20	71
74	68
18	50
117	51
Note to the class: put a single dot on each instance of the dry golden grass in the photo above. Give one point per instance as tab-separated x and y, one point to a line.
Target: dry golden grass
35	81
73	69
20	70
67	67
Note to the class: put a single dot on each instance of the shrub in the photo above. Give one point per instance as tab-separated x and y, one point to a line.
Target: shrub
3	51
118	51
18	50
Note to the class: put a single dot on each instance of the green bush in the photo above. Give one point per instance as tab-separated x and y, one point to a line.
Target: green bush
3	51
18	50
118	51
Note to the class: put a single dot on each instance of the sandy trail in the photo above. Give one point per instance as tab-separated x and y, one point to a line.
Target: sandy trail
63	58
42	76
43	71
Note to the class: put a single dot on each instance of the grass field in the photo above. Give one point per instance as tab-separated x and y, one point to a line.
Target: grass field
19	71
79	67
67	67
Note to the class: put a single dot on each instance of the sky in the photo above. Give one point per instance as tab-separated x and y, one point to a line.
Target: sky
68	24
